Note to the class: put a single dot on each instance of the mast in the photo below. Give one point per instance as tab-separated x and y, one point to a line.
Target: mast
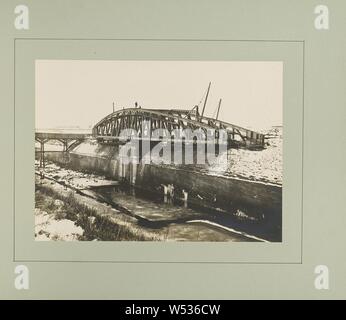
218	109
206	98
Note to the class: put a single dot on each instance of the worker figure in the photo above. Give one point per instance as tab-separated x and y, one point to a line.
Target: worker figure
165	190
185	196
41	177
136	104
171	191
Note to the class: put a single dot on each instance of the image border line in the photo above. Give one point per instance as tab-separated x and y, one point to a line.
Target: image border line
157	261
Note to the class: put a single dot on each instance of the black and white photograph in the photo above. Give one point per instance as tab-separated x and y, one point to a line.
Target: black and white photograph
158	150
173	155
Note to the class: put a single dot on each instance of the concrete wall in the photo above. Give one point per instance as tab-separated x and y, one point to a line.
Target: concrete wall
255	199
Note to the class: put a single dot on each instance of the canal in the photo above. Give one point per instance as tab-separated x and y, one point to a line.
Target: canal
176	218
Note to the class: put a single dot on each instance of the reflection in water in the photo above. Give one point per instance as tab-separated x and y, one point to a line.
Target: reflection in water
167	199
159	209
165	208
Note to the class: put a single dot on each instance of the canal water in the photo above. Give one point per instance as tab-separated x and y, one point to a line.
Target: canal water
156	211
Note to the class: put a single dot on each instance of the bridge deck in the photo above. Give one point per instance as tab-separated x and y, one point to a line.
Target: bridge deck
60	135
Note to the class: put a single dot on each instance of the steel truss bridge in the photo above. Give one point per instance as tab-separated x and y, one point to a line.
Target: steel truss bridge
109	129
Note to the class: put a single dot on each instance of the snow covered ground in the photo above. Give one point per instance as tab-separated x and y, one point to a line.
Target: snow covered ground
48	228
73	178
264	165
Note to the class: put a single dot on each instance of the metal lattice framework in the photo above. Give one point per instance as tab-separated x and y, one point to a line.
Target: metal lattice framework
68	140
110	127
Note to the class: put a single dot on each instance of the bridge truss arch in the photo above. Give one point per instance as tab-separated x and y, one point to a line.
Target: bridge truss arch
110	128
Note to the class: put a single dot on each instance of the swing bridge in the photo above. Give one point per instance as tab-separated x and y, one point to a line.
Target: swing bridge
141	123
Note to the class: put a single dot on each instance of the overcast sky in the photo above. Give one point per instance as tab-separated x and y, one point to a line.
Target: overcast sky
71	93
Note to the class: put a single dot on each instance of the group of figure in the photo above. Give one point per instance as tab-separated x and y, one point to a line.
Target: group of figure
168	191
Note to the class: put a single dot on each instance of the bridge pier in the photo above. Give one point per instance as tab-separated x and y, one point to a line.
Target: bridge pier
42	162
128	171
128	163
42	157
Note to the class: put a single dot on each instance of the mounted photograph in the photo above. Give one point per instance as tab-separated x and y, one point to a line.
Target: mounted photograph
158	150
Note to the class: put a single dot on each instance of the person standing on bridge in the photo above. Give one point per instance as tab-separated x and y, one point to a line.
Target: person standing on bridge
136	104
